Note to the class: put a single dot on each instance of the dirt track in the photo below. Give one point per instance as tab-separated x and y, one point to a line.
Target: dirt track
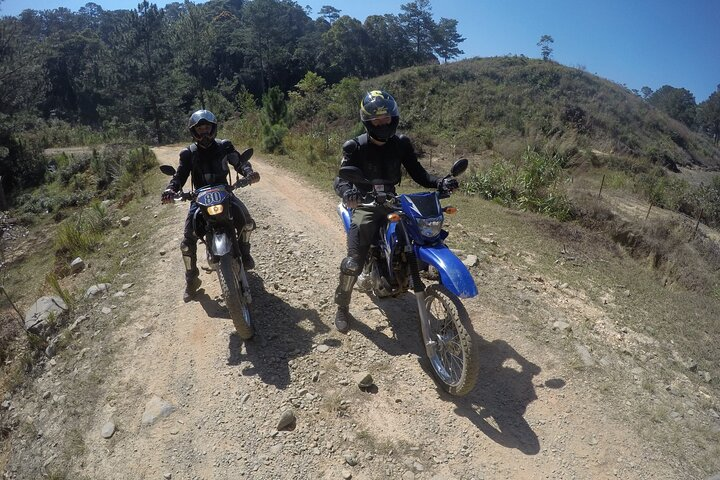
532	415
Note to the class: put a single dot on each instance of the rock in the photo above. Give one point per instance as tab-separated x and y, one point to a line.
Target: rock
162	252
562	326
364	380
585	355
125	221
323	348
287	420
167	476
6	404
350	459
119	294
108	430
98	288
470	261
347	475
44	308
127	285
106	310
77	265
51	349
156	409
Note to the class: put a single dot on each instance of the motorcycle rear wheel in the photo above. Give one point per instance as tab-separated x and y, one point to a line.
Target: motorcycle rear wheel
229	276
456	362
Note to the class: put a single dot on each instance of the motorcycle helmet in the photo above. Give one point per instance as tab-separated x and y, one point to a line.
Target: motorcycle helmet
376	104
204	137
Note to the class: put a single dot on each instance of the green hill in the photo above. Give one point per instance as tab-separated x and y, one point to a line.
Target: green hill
504	103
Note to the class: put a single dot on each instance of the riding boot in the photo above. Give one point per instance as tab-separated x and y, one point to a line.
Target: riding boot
343	292
192	274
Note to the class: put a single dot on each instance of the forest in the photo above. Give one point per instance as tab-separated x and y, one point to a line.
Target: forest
99	76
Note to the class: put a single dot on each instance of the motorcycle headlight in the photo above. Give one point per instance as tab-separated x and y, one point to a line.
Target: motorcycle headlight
430	227
215	209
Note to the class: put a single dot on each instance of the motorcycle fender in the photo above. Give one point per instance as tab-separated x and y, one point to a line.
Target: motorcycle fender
345	215
221	244
453	273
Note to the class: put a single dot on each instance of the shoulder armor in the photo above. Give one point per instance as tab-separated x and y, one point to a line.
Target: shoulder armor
350	147
404	139
187	152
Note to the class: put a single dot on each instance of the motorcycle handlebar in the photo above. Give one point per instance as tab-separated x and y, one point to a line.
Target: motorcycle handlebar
189	196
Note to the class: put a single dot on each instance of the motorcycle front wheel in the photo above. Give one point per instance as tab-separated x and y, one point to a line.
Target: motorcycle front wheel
455	361
228	271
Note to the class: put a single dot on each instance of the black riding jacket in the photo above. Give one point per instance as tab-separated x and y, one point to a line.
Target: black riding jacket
208	166
382	162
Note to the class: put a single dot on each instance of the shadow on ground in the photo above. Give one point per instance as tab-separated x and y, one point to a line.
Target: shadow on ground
282	332
504	388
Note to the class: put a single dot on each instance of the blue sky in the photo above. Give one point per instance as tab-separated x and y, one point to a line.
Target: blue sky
632	42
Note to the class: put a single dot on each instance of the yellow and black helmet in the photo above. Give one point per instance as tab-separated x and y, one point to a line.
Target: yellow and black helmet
377	104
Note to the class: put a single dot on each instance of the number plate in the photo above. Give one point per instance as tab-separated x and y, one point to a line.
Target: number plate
211	196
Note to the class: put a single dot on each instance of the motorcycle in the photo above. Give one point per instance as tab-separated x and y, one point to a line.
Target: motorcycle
214	218
413	240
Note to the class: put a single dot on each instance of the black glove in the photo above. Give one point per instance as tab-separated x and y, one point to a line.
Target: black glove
448	184
352	198
253	177
167	196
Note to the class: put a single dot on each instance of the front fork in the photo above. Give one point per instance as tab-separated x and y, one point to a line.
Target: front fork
419	291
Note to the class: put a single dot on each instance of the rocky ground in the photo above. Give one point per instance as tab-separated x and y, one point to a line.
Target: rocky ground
153	388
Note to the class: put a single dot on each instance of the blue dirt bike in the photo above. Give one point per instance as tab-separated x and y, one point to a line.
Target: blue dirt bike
214	219
412	241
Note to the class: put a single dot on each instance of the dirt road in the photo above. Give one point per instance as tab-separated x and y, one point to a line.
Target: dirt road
532	414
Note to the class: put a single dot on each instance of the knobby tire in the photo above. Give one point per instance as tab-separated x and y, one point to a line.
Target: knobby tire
456	364
234	298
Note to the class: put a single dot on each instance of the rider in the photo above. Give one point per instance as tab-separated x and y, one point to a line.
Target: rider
379	154
207	161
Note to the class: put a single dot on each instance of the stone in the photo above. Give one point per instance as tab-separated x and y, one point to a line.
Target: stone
77	265
44	308
108	430
96	289
125	221
156	409
287	419
364	380
470	261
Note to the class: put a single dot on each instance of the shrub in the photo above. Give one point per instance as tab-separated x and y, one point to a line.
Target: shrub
533	182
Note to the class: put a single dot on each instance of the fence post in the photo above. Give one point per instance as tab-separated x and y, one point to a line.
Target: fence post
697	224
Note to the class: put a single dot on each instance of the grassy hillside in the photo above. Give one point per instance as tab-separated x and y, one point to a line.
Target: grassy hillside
502	104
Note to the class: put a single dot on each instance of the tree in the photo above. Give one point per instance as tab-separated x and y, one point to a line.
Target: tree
545	49
709	116
344	49
274	120
140	76
447	39
678	103
419	27
388	46
191	57
329	13
646	92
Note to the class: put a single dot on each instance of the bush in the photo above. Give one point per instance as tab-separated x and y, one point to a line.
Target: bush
533	183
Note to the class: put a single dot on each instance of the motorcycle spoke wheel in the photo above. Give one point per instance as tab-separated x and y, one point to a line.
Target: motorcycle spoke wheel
229	276
455	362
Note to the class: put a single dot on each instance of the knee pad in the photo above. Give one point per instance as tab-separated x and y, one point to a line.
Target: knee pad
350	266
188	247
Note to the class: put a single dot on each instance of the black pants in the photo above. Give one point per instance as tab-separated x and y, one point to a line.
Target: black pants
364	231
